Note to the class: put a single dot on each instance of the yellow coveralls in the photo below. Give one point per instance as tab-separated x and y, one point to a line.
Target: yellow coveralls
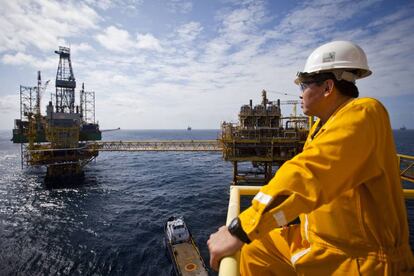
346	189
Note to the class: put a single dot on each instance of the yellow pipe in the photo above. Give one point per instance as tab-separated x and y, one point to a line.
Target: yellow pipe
229	266
407	179
405	156
409	193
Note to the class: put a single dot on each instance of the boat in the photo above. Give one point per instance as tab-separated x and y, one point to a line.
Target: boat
188	128
403	128
182	250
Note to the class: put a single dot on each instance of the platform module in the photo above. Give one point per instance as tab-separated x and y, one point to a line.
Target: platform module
264	138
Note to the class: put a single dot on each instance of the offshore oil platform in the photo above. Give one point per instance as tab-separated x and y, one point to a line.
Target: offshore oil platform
67	137
264	138
56	140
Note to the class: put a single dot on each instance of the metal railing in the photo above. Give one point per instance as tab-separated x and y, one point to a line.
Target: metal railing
406	167
168	145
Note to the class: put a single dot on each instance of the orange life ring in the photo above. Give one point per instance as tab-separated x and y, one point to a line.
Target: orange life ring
190	267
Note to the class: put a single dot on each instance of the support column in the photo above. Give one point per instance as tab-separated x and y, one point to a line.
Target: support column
235	172
268	172
64	174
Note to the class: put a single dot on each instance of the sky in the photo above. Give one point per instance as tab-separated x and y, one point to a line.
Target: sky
169	64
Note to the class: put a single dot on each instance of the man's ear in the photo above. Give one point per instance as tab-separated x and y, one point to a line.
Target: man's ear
329	85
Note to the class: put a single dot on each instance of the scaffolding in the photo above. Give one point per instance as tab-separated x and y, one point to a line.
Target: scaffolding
87	106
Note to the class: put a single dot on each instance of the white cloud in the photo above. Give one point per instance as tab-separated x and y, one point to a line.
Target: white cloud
127	6
179	6
42	24
148	41
101	4
24	59
82	47
115	39
241	24
9	104
218	65
119	40
189	31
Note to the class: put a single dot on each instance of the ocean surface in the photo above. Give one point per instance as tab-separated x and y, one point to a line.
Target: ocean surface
112	223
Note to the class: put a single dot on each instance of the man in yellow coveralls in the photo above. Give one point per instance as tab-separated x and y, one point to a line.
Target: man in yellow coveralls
345	187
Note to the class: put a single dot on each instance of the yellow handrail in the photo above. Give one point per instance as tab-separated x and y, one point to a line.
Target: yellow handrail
229	266
407	167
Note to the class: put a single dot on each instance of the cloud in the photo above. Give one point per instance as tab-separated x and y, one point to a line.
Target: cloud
126	6
148	41
101	4
24	59
82	47
42	24
179	6
119	40
9	103
241	24
189	31
115	39
217	64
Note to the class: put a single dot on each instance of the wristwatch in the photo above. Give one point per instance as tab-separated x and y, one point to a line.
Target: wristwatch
236	230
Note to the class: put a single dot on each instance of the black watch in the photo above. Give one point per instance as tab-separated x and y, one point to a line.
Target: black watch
236	230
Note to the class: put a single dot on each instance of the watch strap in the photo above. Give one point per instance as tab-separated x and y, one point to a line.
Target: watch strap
239	232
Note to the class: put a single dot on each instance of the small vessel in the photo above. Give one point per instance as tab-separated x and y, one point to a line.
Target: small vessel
403	128
188	128
182	250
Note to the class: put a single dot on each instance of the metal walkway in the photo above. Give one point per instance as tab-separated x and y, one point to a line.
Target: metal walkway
169	145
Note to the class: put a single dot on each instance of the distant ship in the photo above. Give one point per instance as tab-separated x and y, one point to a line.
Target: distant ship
403	128
189	128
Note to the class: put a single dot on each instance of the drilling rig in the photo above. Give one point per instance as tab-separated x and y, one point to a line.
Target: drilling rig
57	140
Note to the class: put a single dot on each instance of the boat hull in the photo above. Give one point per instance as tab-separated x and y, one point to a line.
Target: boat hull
185	257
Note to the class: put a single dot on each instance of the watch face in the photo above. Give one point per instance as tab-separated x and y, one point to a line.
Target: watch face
233	224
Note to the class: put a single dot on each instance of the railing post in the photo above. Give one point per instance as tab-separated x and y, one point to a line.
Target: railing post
229	266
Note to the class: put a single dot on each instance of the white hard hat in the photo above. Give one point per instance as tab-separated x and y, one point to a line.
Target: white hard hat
343	58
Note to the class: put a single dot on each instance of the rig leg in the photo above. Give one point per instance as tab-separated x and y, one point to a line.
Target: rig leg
268	172
64	174
235	172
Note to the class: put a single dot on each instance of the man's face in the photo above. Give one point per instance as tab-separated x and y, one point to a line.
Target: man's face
312	97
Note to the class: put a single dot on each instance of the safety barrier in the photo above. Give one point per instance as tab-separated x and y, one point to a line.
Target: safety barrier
407	172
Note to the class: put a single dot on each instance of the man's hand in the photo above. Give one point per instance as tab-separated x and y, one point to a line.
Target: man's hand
222	244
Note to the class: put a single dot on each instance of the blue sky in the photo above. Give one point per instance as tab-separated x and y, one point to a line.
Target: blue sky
167	64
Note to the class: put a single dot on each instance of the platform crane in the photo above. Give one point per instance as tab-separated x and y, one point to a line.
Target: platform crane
287	102
291	102
39	92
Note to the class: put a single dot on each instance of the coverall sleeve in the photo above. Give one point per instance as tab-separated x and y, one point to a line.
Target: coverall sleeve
338	159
